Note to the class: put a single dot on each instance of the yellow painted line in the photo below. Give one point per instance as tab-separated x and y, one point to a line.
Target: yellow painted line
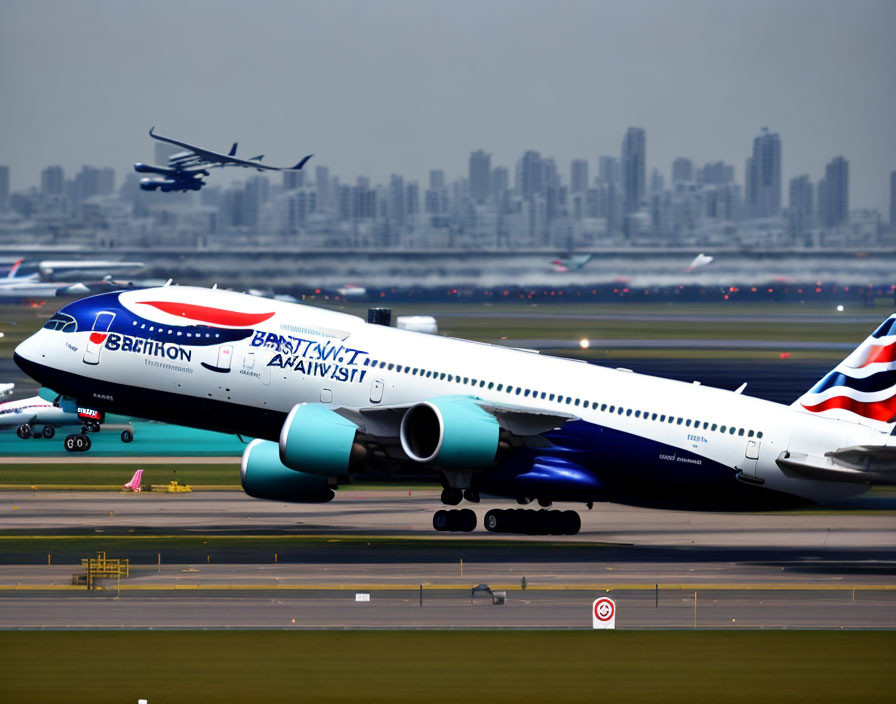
463	587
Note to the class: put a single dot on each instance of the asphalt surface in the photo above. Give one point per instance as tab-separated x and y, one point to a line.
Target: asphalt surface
222	559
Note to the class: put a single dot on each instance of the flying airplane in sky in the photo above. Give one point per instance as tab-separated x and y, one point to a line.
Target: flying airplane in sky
327	395
572	262
185	170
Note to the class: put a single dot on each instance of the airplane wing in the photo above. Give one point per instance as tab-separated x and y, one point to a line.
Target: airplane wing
385	421
206	157
862	464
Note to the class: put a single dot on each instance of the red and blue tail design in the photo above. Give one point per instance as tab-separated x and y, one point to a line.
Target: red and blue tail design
862	388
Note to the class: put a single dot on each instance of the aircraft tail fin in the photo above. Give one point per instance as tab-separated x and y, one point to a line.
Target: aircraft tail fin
134	484
15	268
862	388
232	151
298	166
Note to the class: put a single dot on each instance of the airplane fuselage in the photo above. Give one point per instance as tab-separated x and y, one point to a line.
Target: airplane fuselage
236	363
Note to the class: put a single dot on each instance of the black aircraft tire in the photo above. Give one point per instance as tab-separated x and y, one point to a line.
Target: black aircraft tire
572	522
24	431
48	432
70	443
127	435
440	520
493	521
467	520
87	443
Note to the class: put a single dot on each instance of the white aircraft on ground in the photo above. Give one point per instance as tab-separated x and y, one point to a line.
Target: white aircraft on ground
31	286
328	395
40	417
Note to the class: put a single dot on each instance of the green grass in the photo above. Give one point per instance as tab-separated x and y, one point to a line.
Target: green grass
253	666
113	476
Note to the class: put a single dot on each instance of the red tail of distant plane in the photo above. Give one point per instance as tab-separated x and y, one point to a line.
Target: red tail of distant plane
134	484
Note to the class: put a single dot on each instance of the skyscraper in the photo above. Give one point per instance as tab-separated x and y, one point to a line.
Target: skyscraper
578	176
634	168
436	179
682	170
833	193
893	200
322	184
800	205
4	187
608	169
293	180
52	181
763	176
480	175
530	175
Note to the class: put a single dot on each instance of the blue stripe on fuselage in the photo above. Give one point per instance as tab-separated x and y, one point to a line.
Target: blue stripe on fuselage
131	325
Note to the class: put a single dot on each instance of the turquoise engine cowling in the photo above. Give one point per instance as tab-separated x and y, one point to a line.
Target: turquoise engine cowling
451	432
264	476
316	440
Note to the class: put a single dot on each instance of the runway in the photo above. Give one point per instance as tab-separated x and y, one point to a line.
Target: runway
225	560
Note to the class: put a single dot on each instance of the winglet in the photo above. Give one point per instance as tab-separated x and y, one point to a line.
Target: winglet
298	166
232	151
150	131
257	158
15	268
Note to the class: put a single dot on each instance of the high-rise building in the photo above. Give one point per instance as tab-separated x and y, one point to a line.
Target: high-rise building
4	187
436	180
480	176
716	173
500	181
833	193
530	175
682	170
608	169
322	185
293	180
52	181
893	200
634	168
578	176
763	176
801	207
656	181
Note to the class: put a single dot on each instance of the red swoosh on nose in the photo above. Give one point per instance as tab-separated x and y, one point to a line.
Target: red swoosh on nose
212	316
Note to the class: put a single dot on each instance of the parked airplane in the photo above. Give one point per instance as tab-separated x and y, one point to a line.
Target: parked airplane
185	170
134	483
56	269
30	286
39	417
328	395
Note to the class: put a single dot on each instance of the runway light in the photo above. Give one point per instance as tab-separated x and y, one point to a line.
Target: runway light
785	355
584	343
839	309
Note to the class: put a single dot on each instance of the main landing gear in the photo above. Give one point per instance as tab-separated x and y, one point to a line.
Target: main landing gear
530	522
77	442
455	521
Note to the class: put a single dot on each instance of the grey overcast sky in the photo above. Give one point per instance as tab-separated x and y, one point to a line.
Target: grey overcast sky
402	86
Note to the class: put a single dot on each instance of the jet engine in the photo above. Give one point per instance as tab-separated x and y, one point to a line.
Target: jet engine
318	441
263	476
451	432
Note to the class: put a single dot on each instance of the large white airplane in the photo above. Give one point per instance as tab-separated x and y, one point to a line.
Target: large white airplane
327	395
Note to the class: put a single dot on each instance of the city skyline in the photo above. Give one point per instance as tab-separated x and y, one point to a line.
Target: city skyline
372	95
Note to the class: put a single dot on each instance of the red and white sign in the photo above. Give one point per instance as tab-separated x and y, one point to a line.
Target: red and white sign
603	613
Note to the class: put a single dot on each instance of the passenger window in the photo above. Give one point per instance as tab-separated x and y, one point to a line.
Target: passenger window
491	385
603	406
679	421
759	434
526	394
551	397
543	394
585	404
628	412
568	400
482	383
612	409
740	431
577	402
705	425
731	431
687	423
723	428
518	389
441	375
750	434
653	416
621	409
500	386
714	426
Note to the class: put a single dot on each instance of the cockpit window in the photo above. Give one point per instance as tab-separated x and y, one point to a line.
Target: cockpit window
61	321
